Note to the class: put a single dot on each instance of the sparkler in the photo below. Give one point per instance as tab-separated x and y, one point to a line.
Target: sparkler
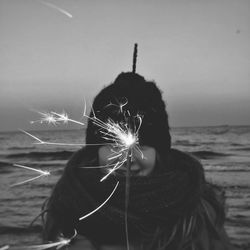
124	138
42	173
120	135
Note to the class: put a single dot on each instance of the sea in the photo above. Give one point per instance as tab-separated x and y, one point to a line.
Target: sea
223	150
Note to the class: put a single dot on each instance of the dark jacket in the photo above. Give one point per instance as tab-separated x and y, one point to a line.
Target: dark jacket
173	208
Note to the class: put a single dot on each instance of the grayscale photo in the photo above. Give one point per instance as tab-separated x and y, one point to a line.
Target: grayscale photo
124	125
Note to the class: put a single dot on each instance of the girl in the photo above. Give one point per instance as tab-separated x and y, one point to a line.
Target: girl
171	205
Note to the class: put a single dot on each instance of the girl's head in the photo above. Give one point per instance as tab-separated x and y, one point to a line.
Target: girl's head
135	96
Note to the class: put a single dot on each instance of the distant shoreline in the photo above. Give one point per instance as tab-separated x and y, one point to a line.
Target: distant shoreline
171	127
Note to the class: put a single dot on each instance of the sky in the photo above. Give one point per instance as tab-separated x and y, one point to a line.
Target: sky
56	53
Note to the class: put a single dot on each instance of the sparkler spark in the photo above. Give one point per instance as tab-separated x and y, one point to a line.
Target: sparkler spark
58	245
65	118
95	210
120	105
5	247
104	166
46	117
54	118
53	6
112	170
57	143
42	173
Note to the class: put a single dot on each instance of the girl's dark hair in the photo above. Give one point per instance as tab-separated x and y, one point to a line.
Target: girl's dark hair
143	98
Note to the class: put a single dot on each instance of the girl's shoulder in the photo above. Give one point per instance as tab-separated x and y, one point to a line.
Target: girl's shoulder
183	157
186	162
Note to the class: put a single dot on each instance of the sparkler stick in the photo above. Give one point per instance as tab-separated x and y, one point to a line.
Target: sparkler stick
129	155
95	210
127	189
42	173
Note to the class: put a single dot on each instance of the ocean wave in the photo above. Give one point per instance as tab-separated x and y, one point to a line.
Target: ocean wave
18	230
228	170
236	144
220	131
239	221
20	148
56	155
236	187
185	143
4	167
242	149
205	154
5	164
45	185
218	168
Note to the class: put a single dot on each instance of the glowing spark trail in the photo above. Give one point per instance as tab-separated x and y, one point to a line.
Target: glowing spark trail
87	215
53	6
112	170
105	166
5	247
58	245
64	117
57	143
42	173
46	117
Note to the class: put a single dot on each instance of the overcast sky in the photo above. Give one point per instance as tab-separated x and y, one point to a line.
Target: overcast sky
55	53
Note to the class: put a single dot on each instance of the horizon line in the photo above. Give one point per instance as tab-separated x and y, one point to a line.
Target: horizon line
171	127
